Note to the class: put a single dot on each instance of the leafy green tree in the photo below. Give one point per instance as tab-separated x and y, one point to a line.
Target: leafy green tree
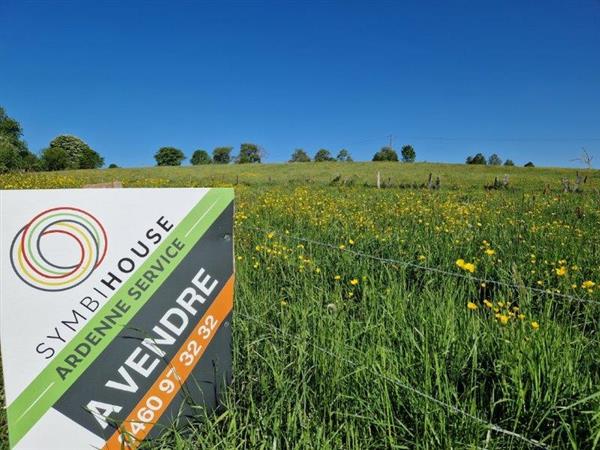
11	130
509	162
344	156
222	155
79	154
299	155
169	156
249	153
10	159
477	159
90	159
386	154
55	158
494	160
529	164
323	155
113	166
14	154
200	157
408	154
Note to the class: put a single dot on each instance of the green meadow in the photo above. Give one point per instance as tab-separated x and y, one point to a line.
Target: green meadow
402	317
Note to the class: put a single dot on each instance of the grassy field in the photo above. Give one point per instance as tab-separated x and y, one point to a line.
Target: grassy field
388	336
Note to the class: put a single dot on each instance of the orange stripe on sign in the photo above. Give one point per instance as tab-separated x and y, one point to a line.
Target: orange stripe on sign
155	402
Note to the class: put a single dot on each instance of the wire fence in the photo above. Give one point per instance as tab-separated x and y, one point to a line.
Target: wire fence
488	425
451	408
437	270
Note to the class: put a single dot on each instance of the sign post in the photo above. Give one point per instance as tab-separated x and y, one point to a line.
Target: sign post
115	311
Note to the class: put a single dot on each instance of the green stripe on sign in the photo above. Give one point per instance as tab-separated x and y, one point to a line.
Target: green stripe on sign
48	387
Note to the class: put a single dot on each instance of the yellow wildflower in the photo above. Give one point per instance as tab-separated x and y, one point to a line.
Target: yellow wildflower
588	284
503	319
488	303
490	252
469	267
561	271
354	281
535	325
472	306
337	278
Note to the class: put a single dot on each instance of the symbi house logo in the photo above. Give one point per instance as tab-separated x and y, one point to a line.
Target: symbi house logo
40	269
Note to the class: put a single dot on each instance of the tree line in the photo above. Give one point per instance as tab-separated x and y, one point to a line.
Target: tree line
493	160
249	153
63	152
70	152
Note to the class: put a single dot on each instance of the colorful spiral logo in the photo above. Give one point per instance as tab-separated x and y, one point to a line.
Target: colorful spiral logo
38	269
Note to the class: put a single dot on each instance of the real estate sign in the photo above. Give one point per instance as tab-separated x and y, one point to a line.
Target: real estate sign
115	310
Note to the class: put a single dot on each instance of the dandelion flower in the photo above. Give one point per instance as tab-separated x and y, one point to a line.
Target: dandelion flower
337	278
535	325
588	284
503	319
561	271
354	281
469	267
490	252
472	306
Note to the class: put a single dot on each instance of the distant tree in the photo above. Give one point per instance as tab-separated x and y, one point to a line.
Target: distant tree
477	159
113	166
10	160
494	160
509	162
79	154
299	155
14	154
386	154
55	158
200	157
529	164
90	159
408	154
249	153
169	156
11	130
222	155
323	155
13	158
344	156
585	158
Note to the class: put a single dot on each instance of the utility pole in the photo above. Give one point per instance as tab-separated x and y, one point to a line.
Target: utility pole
391	140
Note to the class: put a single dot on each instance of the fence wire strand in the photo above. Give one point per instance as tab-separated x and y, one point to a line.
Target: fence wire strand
399	383
423	267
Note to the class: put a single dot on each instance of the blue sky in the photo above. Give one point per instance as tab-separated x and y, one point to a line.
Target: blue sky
452	78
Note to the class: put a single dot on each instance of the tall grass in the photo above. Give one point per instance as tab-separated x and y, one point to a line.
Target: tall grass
333	350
